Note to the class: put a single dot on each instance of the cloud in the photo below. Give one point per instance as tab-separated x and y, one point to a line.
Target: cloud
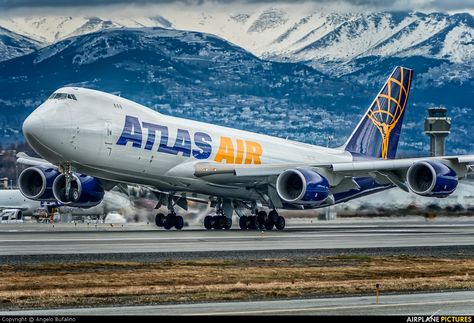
339	5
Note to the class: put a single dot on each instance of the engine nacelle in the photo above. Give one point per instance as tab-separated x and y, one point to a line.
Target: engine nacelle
430	178
36	183
302	186
85	191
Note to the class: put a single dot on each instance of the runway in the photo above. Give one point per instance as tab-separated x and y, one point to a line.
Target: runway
149	239
449	303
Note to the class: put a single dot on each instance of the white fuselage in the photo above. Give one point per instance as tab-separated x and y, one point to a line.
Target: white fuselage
92	134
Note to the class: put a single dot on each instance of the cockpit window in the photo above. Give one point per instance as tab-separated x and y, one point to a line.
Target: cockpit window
62	96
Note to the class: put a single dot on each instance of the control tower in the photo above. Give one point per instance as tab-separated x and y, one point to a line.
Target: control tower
437	127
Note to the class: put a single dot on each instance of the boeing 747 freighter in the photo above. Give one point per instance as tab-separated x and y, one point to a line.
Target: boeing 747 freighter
93	141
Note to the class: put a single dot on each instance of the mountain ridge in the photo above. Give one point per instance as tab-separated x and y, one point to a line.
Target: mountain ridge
286	33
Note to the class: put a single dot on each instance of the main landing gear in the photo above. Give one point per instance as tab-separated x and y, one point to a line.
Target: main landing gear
170	220
262	221
222	219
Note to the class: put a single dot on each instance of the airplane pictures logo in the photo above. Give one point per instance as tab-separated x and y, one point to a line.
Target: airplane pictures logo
388	107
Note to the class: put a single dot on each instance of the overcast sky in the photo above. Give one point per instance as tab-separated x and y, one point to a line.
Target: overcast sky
68	6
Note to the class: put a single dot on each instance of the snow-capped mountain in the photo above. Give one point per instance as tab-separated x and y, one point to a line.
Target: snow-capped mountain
13	45
295	33
50	29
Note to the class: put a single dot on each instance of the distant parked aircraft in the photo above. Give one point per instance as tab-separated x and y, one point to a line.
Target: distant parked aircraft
13	199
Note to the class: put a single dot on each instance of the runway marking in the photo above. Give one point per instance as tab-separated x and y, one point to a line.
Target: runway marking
94	310
307	309
230	237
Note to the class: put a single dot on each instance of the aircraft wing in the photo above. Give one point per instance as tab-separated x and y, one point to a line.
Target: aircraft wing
25	159
351	168
384	170
398	164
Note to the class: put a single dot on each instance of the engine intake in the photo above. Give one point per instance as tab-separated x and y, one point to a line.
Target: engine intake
36	183
430	178
303	186
85	191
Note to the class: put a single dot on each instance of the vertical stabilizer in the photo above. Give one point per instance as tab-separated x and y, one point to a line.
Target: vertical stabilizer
377	134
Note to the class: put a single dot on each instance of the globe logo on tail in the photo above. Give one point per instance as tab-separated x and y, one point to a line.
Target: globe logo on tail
389	106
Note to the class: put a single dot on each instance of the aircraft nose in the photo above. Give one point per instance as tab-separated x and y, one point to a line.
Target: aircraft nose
33	126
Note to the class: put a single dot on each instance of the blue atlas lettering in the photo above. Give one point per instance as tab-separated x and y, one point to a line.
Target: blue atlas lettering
132	131
182	143
152	129
202	140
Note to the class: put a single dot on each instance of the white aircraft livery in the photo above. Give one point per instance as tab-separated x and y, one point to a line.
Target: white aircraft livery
93	141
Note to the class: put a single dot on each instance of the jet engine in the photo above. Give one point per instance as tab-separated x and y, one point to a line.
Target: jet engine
430	178
302	186
85	191
36	183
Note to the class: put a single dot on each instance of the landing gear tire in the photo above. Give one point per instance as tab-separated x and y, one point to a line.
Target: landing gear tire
280	224
179	222
215	223
262	219
268	226
169	221
243	222
222	220
228	223
74	194
273	216
252	223
167	225
208	222
159	219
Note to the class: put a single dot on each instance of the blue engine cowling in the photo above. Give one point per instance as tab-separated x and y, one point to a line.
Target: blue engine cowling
431	178
302	186
36	183
86	191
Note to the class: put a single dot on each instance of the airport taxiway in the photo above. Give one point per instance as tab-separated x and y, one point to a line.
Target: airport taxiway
446	303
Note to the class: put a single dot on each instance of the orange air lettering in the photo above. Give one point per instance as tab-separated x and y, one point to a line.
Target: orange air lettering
226	151
240	151
254	151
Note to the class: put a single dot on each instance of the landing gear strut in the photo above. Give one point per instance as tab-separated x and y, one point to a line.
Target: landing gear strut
68	192
170	220
262	221
222	219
